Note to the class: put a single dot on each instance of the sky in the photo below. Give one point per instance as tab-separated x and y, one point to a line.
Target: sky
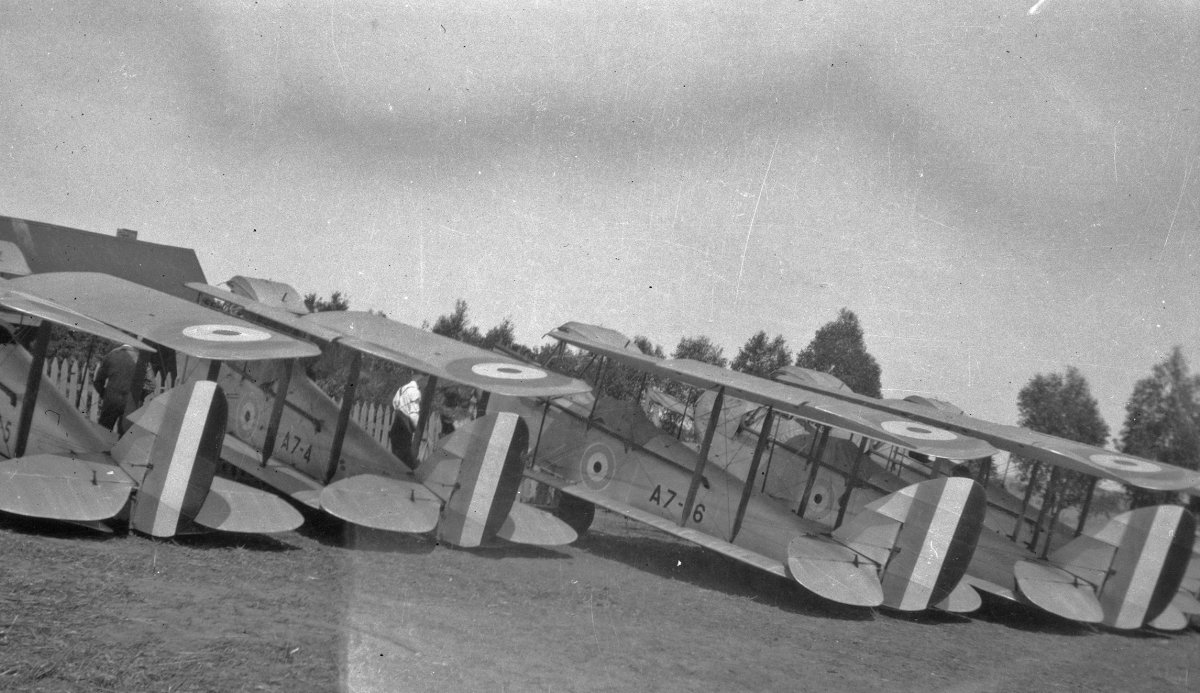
995	192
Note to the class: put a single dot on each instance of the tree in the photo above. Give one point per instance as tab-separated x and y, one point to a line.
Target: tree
700	348
762	357
1061	405
457	326
1162	422
336	301
838	348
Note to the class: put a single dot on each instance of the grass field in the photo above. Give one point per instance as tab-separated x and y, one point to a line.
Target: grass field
331	608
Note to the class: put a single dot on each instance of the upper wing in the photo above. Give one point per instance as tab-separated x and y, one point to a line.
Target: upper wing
161	318
444	357
414	348
22	302
1079	457
812	406
606	342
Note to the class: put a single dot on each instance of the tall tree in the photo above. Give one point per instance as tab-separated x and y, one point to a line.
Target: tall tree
1162	422
762	356
457	326
838	348
700	348
1060	404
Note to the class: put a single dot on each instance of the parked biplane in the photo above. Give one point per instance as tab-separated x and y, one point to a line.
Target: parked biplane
1123	574
906	551
160	475
304	445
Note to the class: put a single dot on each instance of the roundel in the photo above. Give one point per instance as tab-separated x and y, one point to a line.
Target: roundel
225	333
822	500
917	431
1121	463
597	466
249	410
508	371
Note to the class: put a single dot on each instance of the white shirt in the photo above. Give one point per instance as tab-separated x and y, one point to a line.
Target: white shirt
408	401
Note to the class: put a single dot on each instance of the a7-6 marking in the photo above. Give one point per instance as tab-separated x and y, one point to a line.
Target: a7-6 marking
657	498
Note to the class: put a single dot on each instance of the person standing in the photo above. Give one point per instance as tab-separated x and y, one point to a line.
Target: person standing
406	406
121	382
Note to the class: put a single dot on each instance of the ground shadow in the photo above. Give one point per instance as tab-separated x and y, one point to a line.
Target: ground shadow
1024	617
680	561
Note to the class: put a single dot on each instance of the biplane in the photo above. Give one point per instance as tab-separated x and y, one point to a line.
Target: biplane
304	445
906	550
159	476
1124	574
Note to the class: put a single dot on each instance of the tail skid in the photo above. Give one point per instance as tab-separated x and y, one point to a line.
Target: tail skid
907	550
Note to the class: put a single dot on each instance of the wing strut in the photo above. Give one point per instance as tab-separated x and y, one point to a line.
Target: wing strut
698	472
1033	478
815	461
1048	499
1087	506
33	383
343	422
423	417
844	501
281	390
759	448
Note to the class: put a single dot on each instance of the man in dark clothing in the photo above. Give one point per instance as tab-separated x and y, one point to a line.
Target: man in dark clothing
121	384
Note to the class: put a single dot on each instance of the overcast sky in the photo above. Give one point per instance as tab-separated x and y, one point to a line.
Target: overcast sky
995	193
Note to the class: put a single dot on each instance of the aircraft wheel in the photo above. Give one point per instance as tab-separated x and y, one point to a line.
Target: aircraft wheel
578	514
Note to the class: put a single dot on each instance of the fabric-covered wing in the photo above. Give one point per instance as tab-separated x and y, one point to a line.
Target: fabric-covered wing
22	302
1042	447
706	540
158	317
443	357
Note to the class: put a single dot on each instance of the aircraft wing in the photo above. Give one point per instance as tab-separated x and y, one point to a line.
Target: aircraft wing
161	318
708	541
1079	457
606	342
443	357
807	405
28	304
277	316
812	406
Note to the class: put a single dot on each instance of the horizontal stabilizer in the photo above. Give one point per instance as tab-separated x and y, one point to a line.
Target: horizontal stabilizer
708	541
234	507
63	488
1057	591
1171	619
923	536
962	600
1143	555
380	502
834	572
529	525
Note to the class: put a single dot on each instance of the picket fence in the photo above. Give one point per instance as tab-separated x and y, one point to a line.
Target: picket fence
74	380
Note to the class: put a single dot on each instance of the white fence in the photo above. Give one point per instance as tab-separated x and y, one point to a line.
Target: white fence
74	380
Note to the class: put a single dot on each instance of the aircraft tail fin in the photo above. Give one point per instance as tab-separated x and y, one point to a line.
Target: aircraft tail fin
477	470
172	451
1135	563
913	544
